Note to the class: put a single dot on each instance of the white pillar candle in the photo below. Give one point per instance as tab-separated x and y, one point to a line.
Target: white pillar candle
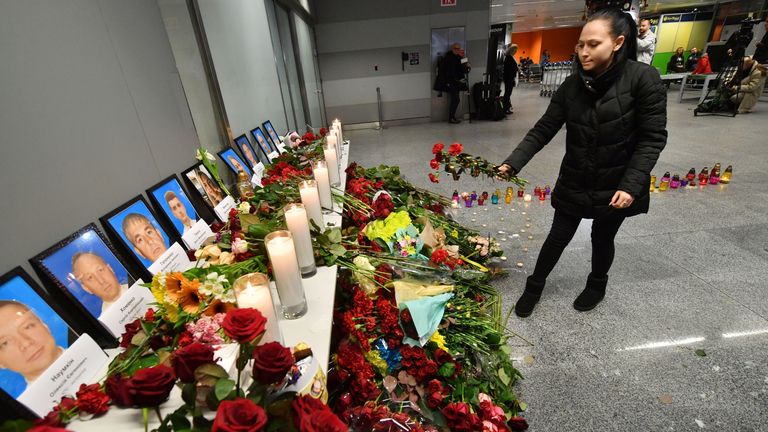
320	171
252	291
337	124
332	139
527	198
332	161
285	269
298	224
311	200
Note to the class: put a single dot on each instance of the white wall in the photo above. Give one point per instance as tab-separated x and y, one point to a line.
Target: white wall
239	40
92	113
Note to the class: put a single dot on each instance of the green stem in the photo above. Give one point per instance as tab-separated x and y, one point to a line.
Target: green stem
145	413
159	415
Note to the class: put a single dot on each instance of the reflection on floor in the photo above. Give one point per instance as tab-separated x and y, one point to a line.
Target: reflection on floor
690	278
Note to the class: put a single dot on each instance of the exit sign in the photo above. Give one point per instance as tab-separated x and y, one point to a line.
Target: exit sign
445	3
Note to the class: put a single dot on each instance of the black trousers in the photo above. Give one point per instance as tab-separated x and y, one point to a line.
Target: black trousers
453	93
563	228
508	95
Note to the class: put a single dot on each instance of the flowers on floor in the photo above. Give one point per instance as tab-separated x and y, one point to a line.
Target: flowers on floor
419	341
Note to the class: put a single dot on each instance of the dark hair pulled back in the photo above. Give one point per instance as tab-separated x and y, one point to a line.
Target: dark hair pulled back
621	24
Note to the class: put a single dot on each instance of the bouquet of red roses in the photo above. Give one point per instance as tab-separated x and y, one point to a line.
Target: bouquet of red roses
456	162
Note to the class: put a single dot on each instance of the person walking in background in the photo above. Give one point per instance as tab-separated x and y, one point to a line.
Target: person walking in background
545	56
676	62
615	112
693	59
646	42
510	74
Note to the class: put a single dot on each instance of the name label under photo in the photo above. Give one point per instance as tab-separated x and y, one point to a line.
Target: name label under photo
222	210
79	364
131	305
258	174
174	259
197	235
274	155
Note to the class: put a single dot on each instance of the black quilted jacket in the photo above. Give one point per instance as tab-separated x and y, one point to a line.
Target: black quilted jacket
616	128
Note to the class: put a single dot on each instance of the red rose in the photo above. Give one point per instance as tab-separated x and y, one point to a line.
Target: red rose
239	415
460	418
151	386
323	132
434	164
433	178
46	428
271	362
518	423
434	400
437	148
492	413
92	400
244	325
130	331
52	419
429	370
435	386
116	387
442	357
303	406
322	421
187	359
455	149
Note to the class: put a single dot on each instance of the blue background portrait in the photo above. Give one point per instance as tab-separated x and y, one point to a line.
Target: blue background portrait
272	133
230	152
266	147
139	207
17	289
174	186
242	142
59	264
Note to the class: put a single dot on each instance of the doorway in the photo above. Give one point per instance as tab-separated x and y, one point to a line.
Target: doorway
442	39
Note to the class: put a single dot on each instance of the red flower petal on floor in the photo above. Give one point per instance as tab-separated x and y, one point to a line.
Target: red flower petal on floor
433	178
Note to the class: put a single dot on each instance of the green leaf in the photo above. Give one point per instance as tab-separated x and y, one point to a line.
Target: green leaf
189	394
523	406
334	235
223	388
506	349
701	353
142	363
337	250
504	377
180	421
447	370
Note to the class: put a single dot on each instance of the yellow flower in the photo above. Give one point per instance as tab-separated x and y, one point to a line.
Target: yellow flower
438	339
455	233
375	359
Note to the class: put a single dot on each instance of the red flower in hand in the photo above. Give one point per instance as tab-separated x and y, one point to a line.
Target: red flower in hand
433	178
455	149
437	148
434	164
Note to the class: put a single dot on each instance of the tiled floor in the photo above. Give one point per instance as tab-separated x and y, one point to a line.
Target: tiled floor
692	274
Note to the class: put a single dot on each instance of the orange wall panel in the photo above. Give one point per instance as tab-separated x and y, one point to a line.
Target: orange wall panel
560	43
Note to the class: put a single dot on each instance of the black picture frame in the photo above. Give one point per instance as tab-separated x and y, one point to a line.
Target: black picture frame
15	408
262	142
130	254
173	185
274	138
242	144
74	295
227	155
193	177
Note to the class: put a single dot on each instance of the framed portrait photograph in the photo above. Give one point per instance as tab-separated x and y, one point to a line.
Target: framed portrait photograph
262	142
84	270
233	161
169	198
246	149
203	186
136	231
33	332
274	138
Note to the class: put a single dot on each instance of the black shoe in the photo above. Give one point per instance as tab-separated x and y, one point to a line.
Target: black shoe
527	301
592	295
454	121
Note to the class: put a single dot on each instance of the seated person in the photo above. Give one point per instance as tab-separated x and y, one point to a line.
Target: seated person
677	62
746	93
693	59
702	66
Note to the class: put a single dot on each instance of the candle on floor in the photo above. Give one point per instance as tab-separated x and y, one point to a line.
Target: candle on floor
285	268
527	198
311	200
320	171
252	291
298	224
333	164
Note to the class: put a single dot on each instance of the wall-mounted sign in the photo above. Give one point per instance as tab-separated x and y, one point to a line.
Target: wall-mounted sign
445	3
413	58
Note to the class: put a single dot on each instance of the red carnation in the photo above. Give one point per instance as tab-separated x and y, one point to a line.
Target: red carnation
439	256
455	149
437	148
433	178
434	164
92	400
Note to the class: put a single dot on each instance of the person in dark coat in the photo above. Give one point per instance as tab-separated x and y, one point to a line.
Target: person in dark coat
693	59
510	73
453	74
615	112
761	50
677	62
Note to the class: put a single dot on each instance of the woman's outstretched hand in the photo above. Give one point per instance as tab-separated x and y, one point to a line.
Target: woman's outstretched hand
621	199
505	170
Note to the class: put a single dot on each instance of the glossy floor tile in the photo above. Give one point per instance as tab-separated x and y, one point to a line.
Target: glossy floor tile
689	278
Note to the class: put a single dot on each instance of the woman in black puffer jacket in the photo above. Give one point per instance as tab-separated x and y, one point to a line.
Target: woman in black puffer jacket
615	112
